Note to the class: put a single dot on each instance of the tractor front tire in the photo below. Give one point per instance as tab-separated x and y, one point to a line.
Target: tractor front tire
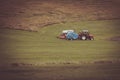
92	38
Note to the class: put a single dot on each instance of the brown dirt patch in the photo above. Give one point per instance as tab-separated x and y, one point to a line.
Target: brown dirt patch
33	14
116	38
103	62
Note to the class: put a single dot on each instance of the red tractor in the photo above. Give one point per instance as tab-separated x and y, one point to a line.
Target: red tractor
85	35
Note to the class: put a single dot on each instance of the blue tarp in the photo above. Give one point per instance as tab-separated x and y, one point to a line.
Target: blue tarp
72	35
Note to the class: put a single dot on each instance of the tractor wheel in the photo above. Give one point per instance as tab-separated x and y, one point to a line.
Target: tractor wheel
91	38
83	37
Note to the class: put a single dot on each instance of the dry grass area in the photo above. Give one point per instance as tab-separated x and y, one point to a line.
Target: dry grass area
33	14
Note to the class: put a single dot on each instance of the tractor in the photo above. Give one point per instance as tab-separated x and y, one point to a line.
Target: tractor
71	35
85	35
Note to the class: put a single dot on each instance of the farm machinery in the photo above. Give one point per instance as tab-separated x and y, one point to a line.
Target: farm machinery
72	35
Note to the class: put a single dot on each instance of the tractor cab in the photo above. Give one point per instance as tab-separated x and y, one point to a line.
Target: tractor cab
84	32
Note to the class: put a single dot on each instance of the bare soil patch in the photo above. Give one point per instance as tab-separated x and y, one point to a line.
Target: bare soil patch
33	14
73	72
116	38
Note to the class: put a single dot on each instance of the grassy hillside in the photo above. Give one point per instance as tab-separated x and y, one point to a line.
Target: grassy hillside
41	56
33	14
44	47
26	55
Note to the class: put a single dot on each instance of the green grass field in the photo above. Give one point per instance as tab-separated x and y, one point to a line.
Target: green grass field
43	48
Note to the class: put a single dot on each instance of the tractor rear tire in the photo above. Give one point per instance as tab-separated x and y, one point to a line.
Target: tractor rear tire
83	37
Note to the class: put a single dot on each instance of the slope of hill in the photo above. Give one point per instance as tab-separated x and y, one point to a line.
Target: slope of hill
32	14
41	56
